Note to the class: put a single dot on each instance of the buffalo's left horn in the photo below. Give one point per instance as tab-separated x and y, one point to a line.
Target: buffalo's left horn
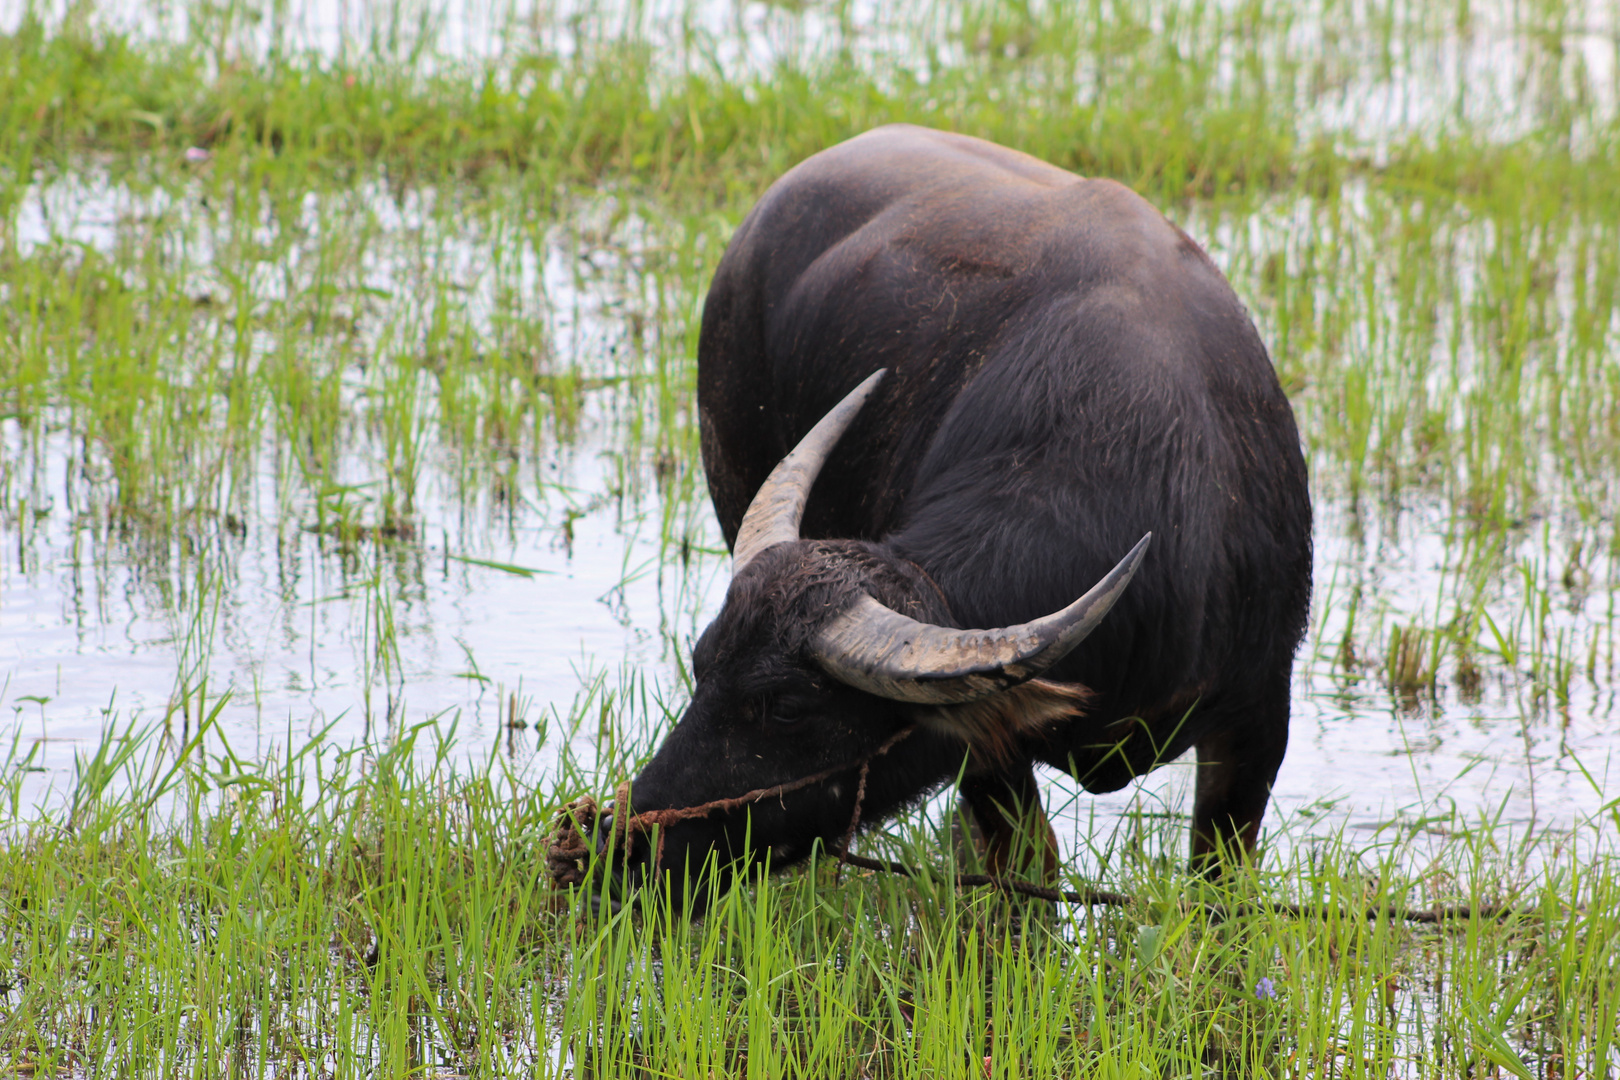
874	648
778	506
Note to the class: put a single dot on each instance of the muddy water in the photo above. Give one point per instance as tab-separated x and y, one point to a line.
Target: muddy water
548	625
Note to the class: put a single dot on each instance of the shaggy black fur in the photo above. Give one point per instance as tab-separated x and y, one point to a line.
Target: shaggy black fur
1067	372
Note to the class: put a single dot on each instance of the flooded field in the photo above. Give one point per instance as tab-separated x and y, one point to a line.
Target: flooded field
348	462
377	459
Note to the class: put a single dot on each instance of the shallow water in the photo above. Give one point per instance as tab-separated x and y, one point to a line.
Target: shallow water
567	602
558	557
492	609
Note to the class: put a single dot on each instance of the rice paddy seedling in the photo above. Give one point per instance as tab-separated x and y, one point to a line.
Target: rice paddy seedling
334	375
326	912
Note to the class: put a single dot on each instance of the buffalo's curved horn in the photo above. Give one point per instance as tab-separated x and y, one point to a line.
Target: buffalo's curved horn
876	649
778	506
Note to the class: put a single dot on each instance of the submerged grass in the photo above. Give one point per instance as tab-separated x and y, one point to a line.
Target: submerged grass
334	914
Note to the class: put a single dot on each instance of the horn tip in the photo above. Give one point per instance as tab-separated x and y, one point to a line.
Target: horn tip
867	384
1137	553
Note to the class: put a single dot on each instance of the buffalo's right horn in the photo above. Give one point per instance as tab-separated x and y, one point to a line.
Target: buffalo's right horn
874	648
778	506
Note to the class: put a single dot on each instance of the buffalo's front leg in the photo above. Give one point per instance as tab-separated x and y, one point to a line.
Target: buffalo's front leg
1237	764
1017	837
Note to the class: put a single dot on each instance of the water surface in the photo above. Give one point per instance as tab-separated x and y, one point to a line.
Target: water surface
405	455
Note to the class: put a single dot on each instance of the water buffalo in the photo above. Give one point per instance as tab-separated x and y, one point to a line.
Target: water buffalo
1067	372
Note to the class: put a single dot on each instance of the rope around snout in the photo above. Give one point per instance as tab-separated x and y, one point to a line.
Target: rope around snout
568	852
568	846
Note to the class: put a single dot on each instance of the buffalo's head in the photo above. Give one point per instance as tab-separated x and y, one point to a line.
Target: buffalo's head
827	656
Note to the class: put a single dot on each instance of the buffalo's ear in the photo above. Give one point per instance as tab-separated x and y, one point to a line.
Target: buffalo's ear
990	725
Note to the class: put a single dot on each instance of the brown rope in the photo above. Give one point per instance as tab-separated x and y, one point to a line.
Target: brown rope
568	851
854	822
1105	898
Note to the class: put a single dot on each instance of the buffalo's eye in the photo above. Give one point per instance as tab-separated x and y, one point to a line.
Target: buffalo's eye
790	710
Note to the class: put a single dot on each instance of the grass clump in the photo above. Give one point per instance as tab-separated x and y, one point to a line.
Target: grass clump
336	914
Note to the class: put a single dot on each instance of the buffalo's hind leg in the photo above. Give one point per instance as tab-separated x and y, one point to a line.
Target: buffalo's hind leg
1237	764
1017	838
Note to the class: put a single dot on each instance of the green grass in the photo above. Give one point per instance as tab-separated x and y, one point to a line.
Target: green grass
1182	97
402	287
326	914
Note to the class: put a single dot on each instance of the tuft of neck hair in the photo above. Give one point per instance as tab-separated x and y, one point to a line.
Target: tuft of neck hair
991	726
